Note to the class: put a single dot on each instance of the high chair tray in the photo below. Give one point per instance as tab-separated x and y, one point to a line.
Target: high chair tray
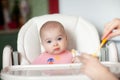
48	72
43	72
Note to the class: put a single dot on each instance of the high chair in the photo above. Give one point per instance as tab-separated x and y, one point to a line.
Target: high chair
82	36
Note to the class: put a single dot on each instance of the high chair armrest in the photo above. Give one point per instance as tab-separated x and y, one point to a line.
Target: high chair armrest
113	52
109	53
7	56
15	58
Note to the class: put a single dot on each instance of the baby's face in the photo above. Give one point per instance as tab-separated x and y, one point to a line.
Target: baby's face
54	40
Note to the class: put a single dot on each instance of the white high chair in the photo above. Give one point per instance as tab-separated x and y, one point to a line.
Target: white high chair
82	36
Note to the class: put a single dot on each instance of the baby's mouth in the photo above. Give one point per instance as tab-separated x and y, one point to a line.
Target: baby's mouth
56	49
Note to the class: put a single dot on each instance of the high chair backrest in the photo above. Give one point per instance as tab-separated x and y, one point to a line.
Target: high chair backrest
82	35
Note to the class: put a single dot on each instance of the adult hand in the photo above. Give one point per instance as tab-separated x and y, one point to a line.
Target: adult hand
112	29
94	69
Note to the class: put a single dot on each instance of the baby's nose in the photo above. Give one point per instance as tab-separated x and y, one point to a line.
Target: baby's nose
55	44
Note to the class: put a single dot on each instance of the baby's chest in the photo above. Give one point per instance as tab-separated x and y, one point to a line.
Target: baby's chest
59	59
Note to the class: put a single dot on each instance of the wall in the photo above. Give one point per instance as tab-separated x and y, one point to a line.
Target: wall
38	7
97	12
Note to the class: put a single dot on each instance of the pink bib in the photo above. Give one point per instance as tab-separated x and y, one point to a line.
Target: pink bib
46	58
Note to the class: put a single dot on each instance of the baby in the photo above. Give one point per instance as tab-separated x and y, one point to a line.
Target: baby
54	40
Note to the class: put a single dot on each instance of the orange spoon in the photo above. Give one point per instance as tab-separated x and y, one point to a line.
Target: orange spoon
102	43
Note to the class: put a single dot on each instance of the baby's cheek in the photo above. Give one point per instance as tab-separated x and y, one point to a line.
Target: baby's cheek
50	49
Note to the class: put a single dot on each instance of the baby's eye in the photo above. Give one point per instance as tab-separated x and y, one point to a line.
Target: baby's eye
59	38
49	41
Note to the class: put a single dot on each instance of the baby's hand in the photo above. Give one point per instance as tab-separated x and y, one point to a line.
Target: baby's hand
76	56
76	59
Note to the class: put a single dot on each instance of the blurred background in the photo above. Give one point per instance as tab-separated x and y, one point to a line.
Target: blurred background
14	13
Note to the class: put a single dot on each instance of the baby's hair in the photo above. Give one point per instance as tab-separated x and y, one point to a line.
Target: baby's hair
53	23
